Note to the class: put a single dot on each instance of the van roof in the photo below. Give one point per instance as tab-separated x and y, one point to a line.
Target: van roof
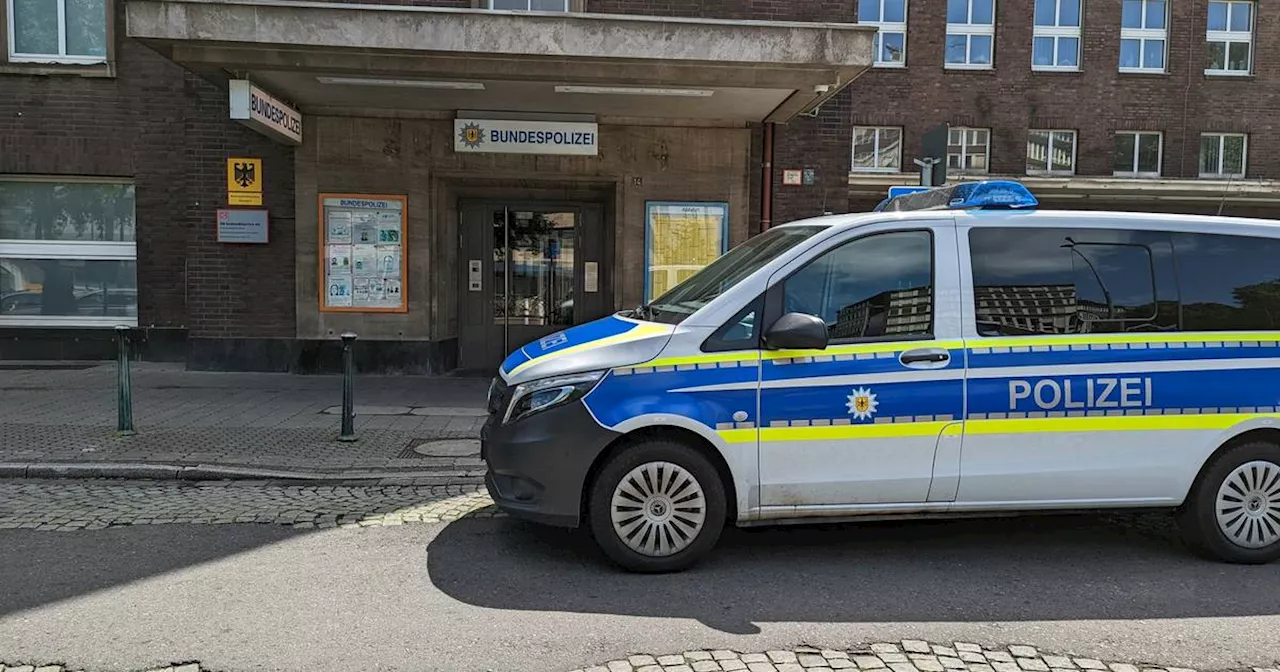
1041	217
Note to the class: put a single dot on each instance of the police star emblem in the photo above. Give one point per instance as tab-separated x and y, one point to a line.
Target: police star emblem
862	404
472	136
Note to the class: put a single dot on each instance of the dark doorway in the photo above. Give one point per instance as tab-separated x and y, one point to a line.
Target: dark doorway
529	270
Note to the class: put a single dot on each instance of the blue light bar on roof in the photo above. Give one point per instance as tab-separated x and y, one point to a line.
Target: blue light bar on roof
992	194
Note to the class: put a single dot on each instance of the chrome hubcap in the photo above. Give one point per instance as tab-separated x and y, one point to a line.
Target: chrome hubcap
658	509
1249	505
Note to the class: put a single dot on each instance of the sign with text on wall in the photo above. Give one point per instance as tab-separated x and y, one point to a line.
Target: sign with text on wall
495	136
243	226
363	259
262	112
244	181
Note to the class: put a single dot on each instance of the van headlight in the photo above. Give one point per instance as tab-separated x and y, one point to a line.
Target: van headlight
539	395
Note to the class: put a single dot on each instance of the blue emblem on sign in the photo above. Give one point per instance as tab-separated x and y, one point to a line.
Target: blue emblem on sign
471	135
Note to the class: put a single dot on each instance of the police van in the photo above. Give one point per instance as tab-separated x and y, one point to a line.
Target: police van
957	352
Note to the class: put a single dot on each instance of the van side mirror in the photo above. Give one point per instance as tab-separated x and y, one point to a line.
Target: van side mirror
797	331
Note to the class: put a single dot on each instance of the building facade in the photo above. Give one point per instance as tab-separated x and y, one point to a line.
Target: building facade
450	179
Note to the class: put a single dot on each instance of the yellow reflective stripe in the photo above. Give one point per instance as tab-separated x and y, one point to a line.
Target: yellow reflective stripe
1102	339
641	331
1112	423
864	348
751	356
868	431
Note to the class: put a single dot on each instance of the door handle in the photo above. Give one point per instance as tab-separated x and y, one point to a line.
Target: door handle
925	358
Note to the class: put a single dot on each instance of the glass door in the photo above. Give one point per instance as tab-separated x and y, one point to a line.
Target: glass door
534	274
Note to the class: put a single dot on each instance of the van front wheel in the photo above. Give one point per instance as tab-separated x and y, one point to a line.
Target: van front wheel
1233	512
657	506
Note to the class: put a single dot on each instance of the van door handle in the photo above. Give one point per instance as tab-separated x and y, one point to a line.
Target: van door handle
925	358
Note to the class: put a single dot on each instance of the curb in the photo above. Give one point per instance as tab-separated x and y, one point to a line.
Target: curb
213	472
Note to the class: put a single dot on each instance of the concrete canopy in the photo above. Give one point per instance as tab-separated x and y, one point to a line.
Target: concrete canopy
336	58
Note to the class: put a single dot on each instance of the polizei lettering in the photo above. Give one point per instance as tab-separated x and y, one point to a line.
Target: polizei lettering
1074	394
580	138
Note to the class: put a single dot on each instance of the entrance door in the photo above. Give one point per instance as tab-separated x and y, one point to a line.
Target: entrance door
523	275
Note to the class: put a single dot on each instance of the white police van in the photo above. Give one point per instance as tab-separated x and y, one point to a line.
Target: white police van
956	352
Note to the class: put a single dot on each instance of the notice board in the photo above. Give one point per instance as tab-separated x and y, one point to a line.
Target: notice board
363	257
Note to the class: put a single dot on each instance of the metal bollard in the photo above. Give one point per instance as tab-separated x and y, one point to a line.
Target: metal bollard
124	387
348	388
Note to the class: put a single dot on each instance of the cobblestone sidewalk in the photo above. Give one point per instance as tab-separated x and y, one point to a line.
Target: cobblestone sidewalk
94	505
907	656
249	421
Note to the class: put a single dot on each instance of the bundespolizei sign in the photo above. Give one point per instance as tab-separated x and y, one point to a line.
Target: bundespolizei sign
526	137
260	111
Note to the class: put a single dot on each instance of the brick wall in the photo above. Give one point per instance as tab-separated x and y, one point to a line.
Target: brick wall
168	130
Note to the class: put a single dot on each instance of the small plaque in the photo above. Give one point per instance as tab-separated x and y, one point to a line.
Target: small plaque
242	226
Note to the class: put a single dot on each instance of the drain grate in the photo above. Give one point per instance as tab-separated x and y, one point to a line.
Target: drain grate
421	449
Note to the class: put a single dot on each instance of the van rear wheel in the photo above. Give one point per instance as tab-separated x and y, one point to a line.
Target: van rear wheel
658	506
1233	512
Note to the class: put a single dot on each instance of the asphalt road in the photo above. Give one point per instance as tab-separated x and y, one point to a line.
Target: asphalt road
502	595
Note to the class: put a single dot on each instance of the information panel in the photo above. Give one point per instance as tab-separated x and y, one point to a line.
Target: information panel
362	253
681	239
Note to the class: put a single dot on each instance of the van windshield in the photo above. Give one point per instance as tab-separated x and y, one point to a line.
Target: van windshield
701	288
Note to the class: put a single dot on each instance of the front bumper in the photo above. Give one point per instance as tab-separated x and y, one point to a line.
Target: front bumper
537	467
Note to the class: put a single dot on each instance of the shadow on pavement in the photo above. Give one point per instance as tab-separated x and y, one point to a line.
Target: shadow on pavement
1057	568
46	567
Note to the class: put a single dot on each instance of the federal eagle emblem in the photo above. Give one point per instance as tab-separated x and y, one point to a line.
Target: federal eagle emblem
472	136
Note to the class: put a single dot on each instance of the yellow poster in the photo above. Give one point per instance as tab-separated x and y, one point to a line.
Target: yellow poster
682	239
244	181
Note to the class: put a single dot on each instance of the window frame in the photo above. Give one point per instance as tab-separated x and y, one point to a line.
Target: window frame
62	58
853	150
1136	173
73	250
1229	37
969	30
965	130
775	298
1058	33
1222	156
1143	35
1050	172
569	7
894	27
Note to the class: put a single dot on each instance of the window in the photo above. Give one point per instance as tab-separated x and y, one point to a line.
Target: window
1230	38
968	150
1137	154
971	30
1051	152
531	5
67	253
890	17
1222	154
1229	283
877	149
1143	35
57	31
1065	281
873	287
723	273
1055	42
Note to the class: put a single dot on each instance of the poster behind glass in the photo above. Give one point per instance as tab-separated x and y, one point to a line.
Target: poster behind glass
681	239
364	255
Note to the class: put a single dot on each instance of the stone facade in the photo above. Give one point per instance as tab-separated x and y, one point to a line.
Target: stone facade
143	117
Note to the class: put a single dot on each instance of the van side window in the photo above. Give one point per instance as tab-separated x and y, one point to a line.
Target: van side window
1072	281
1229	283
874	287
740	333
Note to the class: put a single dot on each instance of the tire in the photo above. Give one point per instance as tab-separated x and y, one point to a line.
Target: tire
1233	512
655	532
